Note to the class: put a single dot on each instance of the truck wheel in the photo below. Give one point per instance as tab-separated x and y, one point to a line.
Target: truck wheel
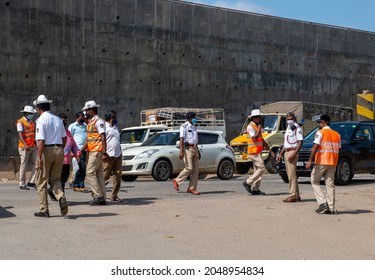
271	165
344	172
242	168
129	178
284	177
225	170
162	170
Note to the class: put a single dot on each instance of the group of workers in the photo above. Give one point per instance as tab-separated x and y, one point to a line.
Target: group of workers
48	144
97	150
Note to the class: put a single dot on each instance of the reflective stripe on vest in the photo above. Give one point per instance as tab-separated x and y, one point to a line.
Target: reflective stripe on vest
254	147
28	133
94	139
328	151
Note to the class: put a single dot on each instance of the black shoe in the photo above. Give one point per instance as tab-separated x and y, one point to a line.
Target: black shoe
247	187
52	196
31	185
23	187
258	192
322	207
63	206
98	201
330	212
42	214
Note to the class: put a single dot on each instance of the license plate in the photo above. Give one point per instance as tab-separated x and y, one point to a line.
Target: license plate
300	163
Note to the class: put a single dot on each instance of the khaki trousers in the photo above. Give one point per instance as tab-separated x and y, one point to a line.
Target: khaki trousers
53	159
291	171
191	161
113	166
259	168
27	156
328	173
95	175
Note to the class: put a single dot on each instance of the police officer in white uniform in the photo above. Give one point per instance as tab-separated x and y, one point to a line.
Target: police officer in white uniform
189	152
51	139
293	140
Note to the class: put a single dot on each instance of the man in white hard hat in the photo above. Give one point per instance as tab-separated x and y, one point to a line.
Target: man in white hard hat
96	146
255	144
26	146
51	139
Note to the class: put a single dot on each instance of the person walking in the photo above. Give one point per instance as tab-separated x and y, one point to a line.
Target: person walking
78	129
255	143
96	146
70	148
26	146
189	152
293	140
325	153
51	138
113	164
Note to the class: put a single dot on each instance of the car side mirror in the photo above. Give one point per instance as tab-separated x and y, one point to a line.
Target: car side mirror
178	144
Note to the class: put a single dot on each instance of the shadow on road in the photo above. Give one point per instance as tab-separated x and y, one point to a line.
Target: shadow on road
98	215
138	201
4	213
354	212
217	192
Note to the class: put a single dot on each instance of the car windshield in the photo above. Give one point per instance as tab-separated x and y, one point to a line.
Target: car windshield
163	138
133	136
345	130
270	123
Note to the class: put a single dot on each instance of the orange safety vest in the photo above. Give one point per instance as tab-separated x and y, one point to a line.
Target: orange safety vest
254	147
28	133
328	151
94	139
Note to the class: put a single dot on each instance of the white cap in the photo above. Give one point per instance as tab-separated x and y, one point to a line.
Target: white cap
41	99
28	109
255	113
90	104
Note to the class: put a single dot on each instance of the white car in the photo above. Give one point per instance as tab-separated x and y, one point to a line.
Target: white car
159	156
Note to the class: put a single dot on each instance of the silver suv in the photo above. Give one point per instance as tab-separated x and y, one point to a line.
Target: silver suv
159	156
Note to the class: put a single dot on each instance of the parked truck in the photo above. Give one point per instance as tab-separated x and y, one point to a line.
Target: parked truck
274	127
207	118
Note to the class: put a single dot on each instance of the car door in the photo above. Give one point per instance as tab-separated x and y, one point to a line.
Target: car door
365	147
209	150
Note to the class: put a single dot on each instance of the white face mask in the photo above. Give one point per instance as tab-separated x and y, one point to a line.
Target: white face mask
29	116
290	122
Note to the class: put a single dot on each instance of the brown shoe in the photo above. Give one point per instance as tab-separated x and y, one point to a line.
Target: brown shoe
116	199
175	185
291	199
193	192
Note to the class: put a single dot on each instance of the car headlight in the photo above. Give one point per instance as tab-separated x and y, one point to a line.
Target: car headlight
146	154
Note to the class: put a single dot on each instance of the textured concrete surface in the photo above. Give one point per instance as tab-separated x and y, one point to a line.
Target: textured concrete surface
130	55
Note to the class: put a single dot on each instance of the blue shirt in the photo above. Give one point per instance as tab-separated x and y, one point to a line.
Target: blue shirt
79	133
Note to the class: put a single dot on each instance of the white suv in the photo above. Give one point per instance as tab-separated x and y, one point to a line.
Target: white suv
159	156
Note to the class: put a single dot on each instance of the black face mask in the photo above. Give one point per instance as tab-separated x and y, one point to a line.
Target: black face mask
65	123
81	121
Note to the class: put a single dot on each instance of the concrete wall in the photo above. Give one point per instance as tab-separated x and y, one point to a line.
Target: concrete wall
130	55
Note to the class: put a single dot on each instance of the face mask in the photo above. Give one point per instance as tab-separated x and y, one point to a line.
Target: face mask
65	123
290	122
194	120
81	121
29	116
114	122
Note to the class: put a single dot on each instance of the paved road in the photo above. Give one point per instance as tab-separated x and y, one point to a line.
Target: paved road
156	222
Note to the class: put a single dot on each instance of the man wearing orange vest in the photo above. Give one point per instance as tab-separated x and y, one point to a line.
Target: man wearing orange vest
96	146
325	151
255	144
26	146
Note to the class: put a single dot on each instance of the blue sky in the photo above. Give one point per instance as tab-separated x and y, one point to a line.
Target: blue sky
358	14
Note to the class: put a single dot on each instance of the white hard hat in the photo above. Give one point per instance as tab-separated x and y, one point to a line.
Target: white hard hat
255	113
28	109
41	99
90	104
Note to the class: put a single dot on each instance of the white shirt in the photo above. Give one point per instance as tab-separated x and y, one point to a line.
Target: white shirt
292	137
189	133
49	128
250	129
113	140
